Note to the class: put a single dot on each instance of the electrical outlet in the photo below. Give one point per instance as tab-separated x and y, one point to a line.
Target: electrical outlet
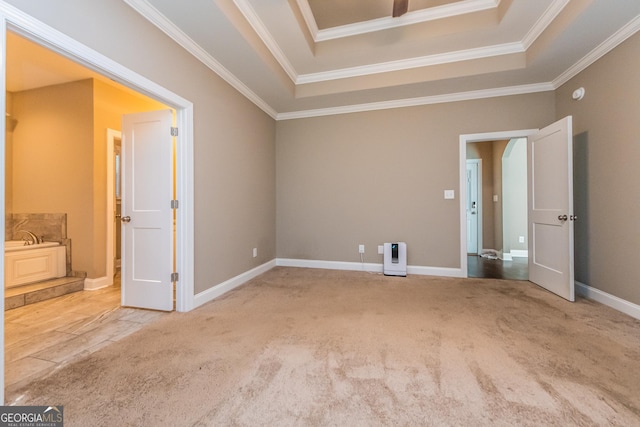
255	252
521	239
380	249
361	249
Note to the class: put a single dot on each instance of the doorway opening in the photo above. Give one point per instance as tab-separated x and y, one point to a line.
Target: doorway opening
500	209
44	35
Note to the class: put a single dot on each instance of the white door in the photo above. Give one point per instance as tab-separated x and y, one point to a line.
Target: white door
550	181
472	206
147	221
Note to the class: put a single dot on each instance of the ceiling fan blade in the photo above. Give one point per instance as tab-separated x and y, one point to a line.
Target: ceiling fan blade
400	7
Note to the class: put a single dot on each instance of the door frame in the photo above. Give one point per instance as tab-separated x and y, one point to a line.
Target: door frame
112	136
479	206
15	20
464	140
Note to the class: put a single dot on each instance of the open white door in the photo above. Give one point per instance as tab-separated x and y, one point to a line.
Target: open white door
147	221
550	180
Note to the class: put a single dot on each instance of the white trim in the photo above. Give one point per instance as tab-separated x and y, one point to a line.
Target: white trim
309	19
41	33
3	109
329	265
520	253
413	102
185	194
226	286
462	173
545	20
368	267
410	63
602	49
258	26
112	135
98	283
612	301
150	13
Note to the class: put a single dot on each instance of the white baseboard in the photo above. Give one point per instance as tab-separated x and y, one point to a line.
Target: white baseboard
519	253
612	301
97	283
224	287
369	267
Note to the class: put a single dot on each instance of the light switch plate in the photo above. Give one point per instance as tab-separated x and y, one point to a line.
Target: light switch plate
449	194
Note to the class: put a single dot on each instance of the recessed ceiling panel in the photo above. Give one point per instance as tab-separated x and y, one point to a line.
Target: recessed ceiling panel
336	13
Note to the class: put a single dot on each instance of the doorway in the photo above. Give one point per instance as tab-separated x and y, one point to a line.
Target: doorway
494	257
44	35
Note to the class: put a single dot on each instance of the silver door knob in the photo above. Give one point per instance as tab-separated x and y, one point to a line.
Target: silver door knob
127	218
560	217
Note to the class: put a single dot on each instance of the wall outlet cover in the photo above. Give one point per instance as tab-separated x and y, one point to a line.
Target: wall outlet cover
361	249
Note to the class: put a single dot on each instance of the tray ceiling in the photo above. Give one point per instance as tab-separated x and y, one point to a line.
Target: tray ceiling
298	58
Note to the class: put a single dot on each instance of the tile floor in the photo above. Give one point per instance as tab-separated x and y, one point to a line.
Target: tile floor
45	336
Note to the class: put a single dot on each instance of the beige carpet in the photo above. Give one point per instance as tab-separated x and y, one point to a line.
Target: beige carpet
321	347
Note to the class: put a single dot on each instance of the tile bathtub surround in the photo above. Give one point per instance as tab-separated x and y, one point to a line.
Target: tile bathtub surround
52	226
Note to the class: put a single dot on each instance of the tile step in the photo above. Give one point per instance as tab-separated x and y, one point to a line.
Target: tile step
41	291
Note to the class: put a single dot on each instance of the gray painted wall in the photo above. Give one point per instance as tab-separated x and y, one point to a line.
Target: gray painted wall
606	130
379	176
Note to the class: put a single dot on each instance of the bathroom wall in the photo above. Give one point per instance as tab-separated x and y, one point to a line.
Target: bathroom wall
53	159
59	159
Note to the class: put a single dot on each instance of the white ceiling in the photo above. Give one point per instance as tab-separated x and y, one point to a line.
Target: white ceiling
298	58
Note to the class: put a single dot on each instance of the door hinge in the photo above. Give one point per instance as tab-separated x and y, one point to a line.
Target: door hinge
174	204
174	131
175	277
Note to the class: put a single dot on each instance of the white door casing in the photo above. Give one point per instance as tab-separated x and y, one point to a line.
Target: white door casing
147	221
551	216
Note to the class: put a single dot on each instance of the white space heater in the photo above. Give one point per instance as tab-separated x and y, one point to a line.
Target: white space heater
395	259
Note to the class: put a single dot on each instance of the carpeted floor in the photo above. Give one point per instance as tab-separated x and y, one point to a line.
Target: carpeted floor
322	347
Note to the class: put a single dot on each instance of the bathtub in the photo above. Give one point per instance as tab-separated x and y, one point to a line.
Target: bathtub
33	263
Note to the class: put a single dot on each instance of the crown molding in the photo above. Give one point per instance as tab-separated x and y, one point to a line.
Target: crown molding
413	102
543	22
258	26
151	14
405	64
415	17
602	49
309	19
